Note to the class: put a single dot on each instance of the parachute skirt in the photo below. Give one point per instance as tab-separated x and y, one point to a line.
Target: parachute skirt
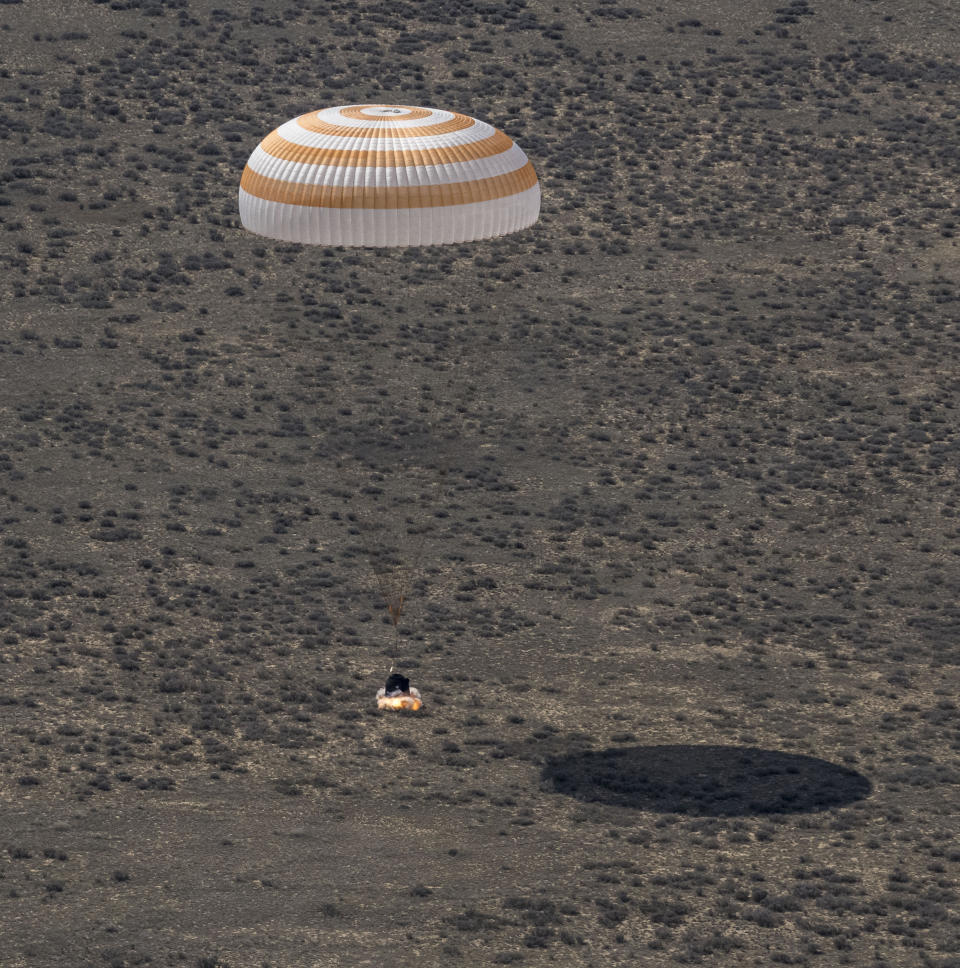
399	227
397	700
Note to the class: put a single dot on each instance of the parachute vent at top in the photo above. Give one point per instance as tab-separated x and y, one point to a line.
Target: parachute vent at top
387	174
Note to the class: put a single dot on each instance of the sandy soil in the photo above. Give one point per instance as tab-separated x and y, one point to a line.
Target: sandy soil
671	476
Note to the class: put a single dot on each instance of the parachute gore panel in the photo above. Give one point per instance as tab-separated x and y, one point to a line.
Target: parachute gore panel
387	174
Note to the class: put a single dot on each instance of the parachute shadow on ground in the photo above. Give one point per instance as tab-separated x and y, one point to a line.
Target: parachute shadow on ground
712	781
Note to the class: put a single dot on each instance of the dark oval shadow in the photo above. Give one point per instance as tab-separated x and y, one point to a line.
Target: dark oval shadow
707	781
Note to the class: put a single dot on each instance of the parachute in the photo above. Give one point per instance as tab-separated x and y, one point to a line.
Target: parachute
387	175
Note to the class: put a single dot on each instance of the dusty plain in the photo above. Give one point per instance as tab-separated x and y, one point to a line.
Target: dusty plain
673	476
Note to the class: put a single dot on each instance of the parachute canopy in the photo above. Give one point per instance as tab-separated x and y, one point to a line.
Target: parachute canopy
387	174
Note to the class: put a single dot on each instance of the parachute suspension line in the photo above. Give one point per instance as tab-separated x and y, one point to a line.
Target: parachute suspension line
396	642
395	607
395	569
393	590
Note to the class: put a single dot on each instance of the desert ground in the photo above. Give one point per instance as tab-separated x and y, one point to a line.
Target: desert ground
671	478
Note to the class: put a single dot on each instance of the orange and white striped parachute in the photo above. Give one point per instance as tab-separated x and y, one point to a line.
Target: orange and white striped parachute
387	174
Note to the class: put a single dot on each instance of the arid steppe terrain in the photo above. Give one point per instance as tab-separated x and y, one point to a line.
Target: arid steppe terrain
672	477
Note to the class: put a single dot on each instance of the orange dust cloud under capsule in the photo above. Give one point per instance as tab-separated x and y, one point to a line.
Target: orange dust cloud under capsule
410	700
